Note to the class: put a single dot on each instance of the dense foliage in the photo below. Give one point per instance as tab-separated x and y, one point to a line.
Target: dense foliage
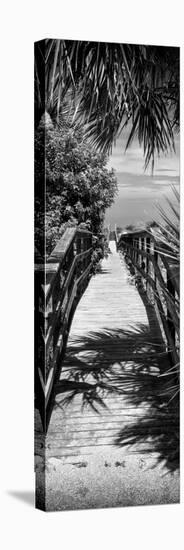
79	188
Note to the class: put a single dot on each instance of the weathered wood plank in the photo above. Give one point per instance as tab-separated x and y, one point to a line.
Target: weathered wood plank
107	404
105	335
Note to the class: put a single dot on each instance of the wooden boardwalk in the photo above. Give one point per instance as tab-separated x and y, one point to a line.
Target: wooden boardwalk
111	437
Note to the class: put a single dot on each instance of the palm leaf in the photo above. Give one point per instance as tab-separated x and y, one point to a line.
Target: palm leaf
112	84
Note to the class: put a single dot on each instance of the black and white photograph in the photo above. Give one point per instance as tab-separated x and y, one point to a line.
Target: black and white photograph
107	247
92	379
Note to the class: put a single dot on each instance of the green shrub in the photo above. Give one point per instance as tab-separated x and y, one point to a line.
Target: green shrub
78	186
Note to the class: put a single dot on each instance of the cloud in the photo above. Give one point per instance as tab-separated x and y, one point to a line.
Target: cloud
132	161
165	170
140	191
129	179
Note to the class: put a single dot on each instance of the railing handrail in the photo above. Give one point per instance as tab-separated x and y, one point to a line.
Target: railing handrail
143	233
57	257
61	248
163	254
142	244
59	285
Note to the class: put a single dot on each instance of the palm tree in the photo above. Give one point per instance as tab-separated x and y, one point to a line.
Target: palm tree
109	86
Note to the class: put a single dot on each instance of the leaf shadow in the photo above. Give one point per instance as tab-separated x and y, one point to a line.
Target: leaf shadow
125	363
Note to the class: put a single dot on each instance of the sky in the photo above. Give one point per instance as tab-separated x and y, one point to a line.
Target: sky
140	192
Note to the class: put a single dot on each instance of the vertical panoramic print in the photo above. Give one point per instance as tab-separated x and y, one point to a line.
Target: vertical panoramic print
107	244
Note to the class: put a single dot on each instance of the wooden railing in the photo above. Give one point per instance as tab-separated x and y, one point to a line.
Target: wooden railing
108	230
59	286
116	235
158	274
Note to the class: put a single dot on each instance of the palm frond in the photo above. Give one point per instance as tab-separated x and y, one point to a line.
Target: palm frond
112	84
169	241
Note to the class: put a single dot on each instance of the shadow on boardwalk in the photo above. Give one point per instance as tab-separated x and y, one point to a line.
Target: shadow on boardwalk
126	363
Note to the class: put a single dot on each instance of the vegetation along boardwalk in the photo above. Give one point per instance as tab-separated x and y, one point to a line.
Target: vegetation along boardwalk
111	440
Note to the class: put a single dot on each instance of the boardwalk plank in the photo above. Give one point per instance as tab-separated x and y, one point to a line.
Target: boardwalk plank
108	395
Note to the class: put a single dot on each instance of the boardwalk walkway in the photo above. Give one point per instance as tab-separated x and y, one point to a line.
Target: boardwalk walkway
111	440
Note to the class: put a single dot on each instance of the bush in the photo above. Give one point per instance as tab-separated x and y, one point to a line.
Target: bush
78	186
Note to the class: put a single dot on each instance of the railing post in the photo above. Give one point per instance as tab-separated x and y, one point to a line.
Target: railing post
139	246
74	249
136	253
81	250
82	244
148	252
153	270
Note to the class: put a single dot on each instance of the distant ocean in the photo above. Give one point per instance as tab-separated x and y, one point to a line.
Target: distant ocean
133	208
